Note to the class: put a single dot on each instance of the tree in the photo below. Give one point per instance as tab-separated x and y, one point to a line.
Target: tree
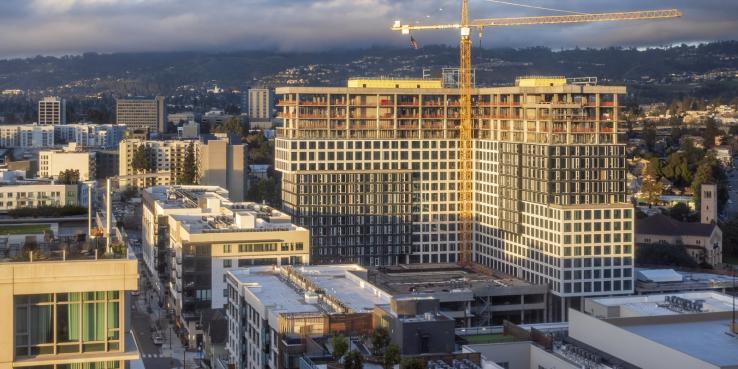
680	212
730	237
69	176
353	360
649	136
391	356
710	132
709	171
340	346
380	338
266	190
651	190
189	166
141	161
677	169
666	255
232	126
412	363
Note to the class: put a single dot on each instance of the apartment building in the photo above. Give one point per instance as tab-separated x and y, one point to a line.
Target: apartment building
143	114
35	195
26	136
52	110
193	235
261	103
220	162
105	136
53	162
371	170
164	157
66	309
272	312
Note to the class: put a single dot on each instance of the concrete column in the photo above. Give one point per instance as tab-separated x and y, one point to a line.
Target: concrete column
108	210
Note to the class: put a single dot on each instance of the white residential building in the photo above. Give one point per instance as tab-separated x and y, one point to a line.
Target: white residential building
26	136
35	195
106	136
52	162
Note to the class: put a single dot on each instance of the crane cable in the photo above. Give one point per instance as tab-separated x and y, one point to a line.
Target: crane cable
535	7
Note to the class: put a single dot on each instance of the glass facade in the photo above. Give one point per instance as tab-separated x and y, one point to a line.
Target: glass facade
62	323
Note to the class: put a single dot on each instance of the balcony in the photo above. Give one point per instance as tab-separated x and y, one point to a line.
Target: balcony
313	103
286	102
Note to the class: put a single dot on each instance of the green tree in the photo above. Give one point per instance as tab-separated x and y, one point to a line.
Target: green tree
266	190
69	176
353	360
677	169
680	212
710	132
379	338
709	171
651	190
231	126
730	237
412	363
340	346
666	255
649	136
141	160
189	166
391	356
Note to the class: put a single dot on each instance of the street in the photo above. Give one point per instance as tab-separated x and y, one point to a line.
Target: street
145	313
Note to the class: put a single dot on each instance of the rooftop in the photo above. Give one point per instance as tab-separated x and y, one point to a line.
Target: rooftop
666	304
345	284
435	278
704	339
663	225
273	291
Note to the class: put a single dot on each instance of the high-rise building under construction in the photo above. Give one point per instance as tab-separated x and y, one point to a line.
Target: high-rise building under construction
371	169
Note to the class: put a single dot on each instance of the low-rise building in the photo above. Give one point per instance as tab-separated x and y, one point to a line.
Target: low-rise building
684	330
471	298
35	195
104	136
26	136
53	162
193	235
703	242
654	281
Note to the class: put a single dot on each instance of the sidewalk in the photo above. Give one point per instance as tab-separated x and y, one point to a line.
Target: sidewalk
174	349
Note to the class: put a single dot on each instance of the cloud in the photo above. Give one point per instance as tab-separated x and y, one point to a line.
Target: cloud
30	27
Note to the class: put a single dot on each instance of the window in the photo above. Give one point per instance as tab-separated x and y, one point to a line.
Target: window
81	322
226	263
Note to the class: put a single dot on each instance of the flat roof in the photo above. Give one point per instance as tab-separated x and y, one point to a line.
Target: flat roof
706	340
435	278
339	282
272	291
655	305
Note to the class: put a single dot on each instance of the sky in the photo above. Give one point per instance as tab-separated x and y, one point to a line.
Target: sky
57	27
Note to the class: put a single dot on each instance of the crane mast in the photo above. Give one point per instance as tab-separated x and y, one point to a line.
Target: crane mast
465	149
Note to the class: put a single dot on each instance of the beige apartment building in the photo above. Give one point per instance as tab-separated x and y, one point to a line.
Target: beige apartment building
35	195
193	235
52	162
371	170
219	161
64	311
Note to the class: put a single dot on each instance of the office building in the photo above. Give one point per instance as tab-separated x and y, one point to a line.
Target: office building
26	136
683	330
273	312
223	163
193	235
35	195
105	136
143	114
371	170
53	162
65	308
52	110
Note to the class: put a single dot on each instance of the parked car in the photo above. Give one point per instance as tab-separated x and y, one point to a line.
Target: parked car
158	338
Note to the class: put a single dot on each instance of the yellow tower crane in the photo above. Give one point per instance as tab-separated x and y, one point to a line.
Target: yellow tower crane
466	162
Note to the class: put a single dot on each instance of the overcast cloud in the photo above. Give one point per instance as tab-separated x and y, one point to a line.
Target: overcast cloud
31	27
